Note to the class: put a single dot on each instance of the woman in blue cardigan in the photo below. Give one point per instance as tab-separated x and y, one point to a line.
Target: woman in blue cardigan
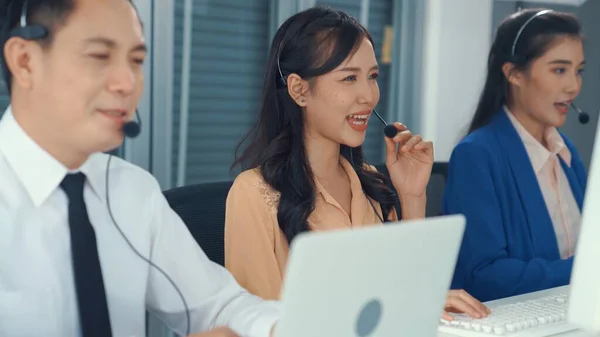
518	181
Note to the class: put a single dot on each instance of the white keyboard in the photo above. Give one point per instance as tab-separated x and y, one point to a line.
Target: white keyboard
538	314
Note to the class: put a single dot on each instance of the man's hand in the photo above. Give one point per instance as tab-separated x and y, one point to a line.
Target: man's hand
218	332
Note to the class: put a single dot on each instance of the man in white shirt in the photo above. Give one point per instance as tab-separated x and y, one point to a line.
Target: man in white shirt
71	229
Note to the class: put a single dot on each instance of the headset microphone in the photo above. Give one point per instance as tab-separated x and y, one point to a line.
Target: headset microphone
132	129
390	131
584	117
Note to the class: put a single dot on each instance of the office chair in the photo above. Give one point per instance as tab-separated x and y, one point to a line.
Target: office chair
435	188
202	209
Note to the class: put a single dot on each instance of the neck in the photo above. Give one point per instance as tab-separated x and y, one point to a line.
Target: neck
535	128
323	156
43	135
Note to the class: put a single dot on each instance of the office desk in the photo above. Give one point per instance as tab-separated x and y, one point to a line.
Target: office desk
566	334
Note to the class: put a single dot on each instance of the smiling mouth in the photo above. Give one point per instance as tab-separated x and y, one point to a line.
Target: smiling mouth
361	119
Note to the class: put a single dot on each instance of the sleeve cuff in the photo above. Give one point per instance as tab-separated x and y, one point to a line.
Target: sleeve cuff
263	325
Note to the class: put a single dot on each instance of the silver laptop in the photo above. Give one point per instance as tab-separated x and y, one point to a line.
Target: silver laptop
379	281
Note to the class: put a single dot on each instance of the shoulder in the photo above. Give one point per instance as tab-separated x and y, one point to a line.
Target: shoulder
121	175
251	185
477	152
483	137
477	143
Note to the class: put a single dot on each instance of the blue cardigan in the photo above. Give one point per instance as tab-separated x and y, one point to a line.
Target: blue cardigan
509	247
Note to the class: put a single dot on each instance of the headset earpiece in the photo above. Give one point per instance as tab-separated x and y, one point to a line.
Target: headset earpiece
33	32
25	31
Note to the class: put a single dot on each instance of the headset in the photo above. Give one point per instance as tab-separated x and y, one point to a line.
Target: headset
390	131
584	117
130	129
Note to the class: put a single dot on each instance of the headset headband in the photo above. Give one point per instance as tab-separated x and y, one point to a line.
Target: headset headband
282	79
540	13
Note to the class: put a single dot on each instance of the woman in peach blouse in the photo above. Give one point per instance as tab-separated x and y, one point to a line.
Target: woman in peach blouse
305	166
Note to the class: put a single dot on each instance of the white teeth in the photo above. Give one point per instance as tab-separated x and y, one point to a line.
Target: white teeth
359	116
358	121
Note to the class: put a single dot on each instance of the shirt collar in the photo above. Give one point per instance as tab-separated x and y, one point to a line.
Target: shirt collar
36	169
355	185
537	152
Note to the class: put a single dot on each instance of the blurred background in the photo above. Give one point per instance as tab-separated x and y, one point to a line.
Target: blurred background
206	64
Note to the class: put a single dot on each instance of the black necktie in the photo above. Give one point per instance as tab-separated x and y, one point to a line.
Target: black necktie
91	295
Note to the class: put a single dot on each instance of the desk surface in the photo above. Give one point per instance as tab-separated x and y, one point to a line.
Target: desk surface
566	334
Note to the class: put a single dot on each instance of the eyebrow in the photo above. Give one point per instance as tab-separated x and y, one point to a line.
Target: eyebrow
357	69
112	44
566	62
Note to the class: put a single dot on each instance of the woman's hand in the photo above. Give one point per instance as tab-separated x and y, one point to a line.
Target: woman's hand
459	301
409	160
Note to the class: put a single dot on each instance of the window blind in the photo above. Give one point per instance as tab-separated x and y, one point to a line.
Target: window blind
229	49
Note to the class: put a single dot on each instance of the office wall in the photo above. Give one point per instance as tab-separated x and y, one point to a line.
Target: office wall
589	99
456	42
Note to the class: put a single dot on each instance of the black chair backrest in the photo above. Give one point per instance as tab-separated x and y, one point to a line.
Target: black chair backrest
202	209
435	188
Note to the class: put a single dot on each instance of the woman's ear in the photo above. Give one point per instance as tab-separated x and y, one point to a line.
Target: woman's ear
512	75
298	89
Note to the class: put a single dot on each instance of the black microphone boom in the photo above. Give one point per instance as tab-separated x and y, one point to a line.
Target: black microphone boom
584	117
390	131
132	129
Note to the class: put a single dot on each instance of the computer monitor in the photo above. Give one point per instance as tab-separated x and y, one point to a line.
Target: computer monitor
584	300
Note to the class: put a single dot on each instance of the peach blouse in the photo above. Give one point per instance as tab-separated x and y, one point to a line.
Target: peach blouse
256	249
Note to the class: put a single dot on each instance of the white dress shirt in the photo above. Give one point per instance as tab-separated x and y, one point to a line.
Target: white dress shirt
554	185
37	291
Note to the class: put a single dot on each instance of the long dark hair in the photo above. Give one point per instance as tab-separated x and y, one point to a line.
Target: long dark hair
537	37
310	43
